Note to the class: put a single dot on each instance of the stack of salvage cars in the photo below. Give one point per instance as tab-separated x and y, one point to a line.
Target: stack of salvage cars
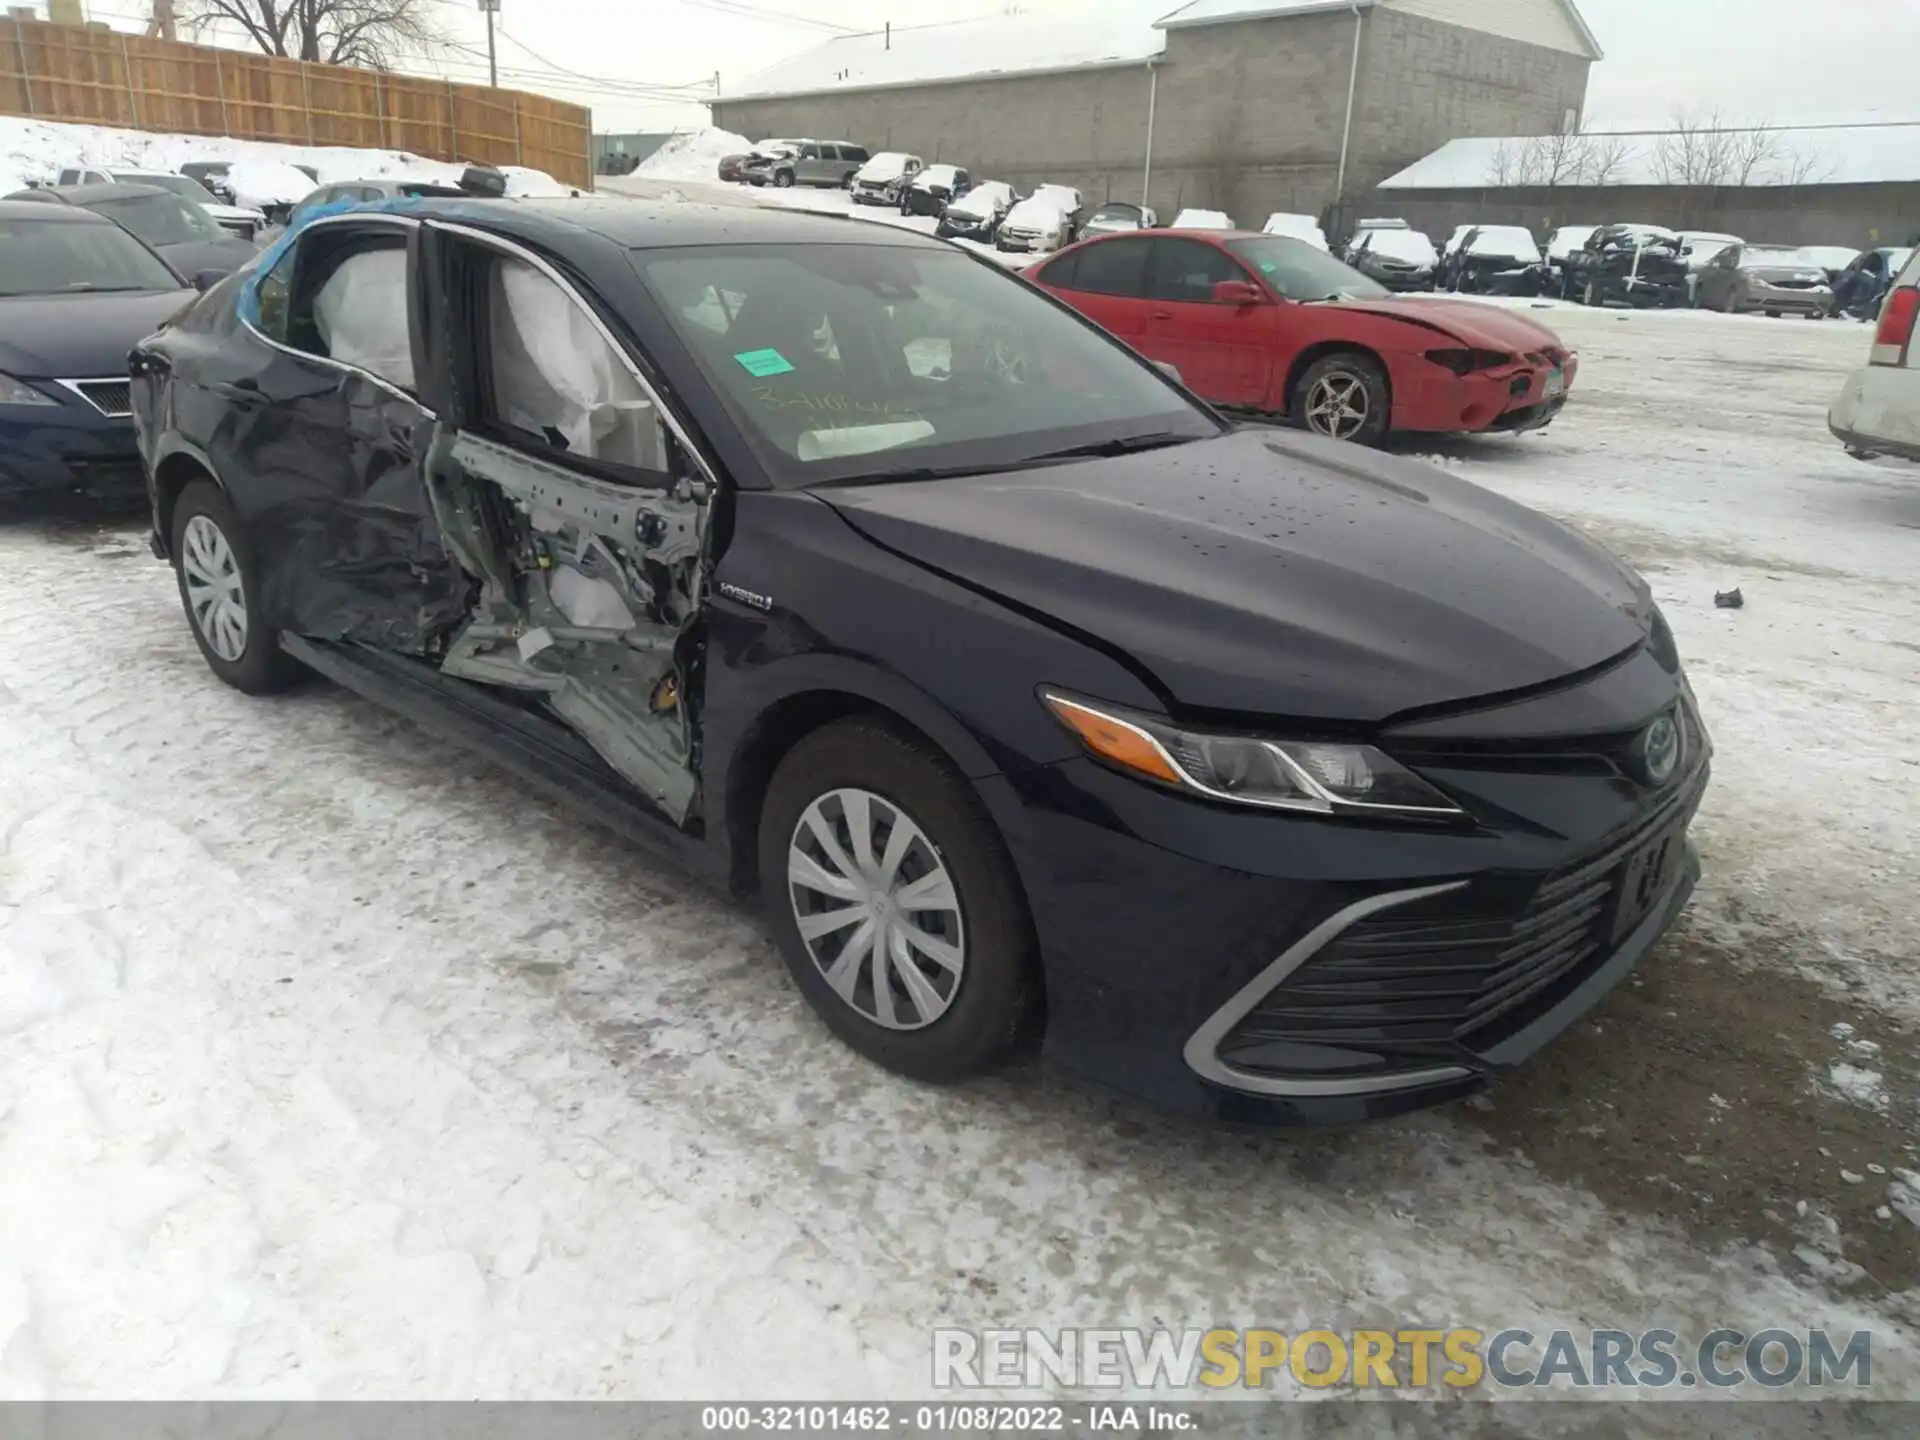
1643	266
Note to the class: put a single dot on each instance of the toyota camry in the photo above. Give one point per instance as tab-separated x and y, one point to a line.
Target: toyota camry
1254	773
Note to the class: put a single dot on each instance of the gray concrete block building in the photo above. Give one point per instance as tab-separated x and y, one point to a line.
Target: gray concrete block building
1247	106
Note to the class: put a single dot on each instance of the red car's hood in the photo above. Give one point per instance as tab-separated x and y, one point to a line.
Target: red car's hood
1487	327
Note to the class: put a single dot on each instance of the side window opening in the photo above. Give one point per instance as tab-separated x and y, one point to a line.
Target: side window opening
552	379
360	314
276	289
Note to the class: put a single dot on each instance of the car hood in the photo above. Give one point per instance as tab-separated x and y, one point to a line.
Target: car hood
231	212
193	256
81	336
1486	327
1276	575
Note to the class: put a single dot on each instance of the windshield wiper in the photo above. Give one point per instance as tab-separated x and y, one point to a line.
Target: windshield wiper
1124	445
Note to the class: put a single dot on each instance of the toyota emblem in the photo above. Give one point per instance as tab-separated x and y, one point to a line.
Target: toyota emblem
1658	751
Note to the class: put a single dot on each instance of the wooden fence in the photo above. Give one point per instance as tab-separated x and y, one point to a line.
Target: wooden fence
102	77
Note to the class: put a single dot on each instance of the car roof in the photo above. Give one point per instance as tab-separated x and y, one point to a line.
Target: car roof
87	194
41	210
659	224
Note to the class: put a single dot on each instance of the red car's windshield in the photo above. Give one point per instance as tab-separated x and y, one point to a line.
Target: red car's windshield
1299	271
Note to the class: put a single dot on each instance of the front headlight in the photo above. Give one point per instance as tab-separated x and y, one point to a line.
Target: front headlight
1319	777
15	392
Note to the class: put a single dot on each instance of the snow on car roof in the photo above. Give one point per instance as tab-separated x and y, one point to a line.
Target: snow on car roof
1813	154
1119	33
1203	220
1401	245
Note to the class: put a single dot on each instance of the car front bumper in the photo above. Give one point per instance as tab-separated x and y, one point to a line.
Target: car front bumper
1521	396
1027	244
70	448
1243	966
1815	301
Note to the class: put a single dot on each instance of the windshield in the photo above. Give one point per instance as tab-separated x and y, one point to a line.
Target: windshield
185	186
160	219
884	166
936	175
1298	270
52	257
1773	257
856	360
1504	241
1408	245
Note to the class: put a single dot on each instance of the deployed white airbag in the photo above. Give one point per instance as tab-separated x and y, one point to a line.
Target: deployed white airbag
554	371
361	314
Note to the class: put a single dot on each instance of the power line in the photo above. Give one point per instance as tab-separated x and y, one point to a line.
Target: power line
778	17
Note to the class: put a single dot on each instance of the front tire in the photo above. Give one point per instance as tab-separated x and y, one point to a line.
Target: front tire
783	180
219	591
1344	397
895	903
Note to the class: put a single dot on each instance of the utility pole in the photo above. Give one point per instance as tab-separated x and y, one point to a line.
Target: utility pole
161	26
492	8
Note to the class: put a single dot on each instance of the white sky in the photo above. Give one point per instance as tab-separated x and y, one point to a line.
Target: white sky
1755	60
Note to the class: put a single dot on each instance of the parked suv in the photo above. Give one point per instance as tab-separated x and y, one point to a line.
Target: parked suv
811	162
881	179
1878	412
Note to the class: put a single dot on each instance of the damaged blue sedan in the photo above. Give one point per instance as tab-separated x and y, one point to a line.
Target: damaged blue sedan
1256	775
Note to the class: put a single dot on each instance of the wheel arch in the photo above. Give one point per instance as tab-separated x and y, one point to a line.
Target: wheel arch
1325	349
826	694
178	464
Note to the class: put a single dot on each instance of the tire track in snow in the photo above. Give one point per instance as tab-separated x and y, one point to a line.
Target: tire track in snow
514	1006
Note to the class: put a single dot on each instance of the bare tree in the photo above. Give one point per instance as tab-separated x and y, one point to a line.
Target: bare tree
1546	162
1607	158
1706	151
372	34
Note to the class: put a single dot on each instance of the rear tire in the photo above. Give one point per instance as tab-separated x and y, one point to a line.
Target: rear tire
214	568
983	994
1343	397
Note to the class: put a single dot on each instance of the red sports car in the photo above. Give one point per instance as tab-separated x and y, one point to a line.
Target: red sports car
1273	325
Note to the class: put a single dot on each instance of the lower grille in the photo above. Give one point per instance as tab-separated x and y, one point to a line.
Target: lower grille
1423	982
109	397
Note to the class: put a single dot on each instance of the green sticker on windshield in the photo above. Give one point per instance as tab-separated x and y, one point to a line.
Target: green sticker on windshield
763	363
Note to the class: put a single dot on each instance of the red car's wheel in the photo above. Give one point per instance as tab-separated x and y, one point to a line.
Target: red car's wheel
1344	397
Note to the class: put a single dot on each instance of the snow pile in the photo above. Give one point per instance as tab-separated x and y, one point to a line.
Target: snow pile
692	155
38	150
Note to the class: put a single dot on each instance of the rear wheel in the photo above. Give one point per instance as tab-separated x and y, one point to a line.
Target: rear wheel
895	903
1343	397
219	593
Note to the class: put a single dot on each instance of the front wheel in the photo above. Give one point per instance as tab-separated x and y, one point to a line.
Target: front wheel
1344	397
783	181
220	594
895	903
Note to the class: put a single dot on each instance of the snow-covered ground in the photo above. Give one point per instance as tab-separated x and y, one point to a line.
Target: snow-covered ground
332	1064
37	150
